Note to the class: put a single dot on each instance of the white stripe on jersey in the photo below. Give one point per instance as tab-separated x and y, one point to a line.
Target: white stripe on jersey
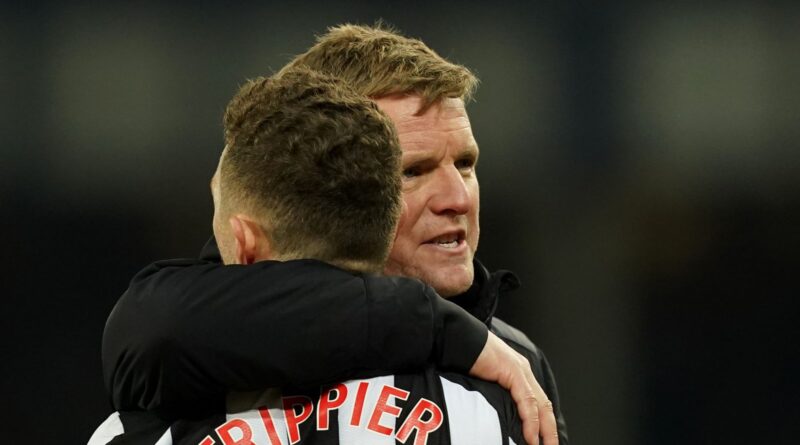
109	429
358	435
113	427
166	438
240	407
472	418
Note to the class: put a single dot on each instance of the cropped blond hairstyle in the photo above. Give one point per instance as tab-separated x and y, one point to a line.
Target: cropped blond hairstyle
377	61
318	164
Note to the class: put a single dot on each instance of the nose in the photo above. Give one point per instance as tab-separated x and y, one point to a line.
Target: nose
451	194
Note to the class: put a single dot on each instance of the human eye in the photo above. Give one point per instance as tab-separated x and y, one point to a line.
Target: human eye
466	164
412	171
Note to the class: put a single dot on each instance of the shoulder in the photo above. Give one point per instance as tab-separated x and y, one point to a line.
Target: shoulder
514	337
407	291
539	365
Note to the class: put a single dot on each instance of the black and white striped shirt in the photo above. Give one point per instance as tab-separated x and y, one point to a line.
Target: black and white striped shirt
430	408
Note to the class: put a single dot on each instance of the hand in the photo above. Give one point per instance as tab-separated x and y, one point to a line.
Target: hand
499	363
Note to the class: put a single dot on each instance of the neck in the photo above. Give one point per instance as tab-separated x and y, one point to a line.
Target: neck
350	265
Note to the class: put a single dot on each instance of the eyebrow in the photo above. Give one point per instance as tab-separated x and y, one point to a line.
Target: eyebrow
470	150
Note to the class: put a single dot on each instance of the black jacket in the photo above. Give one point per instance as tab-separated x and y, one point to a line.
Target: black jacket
295	323
481	301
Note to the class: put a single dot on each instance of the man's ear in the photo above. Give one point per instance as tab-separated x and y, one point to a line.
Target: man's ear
251	243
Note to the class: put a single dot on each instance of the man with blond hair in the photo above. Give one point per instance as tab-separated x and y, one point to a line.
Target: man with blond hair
436	239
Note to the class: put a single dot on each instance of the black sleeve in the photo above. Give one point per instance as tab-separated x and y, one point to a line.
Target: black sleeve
548	380
540	367
188	331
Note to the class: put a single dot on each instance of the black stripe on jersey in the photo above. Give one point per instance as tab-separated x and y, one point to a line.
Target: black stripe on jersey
419	386
192	432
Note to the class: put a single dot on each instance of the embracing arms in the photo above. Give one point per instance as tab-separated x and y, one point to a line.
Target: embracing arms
188	331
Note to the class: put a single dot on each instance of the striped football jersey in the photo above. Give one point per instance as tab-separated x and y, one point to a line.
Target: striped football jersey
429	408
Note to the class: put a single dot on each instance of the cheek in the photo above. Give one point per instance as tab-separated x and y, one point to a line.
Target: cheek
474	219
402	238
476	194
412	209
406	241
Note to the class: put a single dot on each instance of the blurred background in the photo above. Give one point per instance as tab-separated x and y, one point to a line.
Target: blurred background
639	170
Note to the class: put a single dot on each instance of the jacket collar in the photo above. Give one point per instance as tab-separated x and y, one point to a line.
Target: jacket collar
210	251
482	297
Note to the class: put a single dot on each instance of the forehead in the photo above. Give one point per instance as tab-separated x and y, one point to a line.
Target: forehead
446	114
444	124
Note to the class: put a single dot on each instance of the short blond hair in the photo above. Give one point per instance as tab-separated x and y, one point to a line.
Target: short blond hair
318	163
378	61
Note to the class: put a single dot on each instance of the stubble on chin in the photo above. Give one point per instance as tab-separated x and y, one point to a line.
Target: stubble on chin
447	281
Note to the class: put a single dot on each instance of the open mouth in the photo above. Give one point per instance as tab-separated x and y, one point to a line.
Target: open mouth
448	240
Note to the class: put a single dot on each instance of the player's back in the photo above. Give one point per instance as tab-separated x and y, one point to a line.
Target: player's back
422	408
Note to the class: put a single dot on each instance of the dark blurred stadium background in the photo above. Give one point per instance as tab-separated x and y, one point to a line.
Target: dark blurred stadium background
640	171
